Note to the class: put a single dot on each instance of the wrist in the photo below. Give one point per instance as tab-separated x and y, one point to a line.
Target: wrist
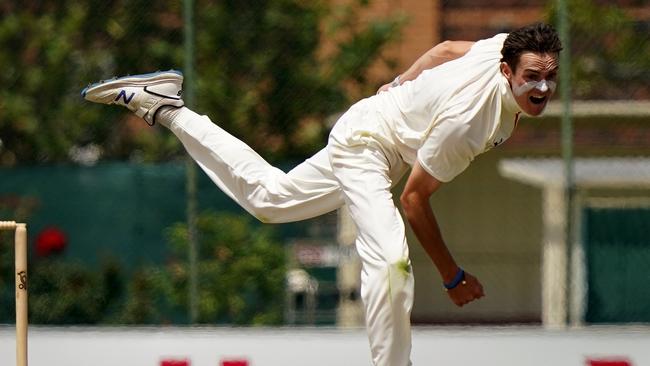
448	273
459	278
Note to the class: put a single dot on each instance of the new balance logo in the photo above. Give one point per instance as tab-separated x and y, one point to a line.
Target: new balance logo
124	97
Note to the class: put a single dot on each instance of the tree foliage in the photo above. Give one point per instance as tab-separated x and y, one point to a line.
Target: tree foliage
57	47
241	281
261	66
63	291
265	75
241	274
610	51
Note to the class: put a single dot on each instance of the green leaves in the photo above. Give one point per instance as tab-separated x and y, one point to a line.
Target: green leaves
53	50
241	270
265	71
610	60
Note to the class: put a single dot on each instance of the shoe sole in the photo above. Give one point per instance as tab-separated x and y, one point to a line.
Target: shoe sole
135	80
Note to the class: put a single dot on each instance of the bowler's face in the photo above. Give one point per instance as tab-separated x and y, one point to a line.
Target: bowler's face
534	81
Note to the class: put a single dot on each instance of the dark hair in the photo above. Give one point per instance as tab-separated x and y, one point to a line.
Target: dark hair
537	38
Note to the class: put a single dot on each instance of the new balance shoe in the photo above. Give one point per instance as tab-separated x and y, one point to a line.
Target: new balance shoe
142	94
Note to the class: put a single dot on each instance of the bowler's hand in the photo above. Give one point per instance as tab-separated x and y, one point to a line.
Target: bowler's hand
467	291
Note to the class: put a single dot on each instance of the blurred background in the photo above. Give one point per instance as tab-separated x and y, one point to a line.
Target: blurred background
125	231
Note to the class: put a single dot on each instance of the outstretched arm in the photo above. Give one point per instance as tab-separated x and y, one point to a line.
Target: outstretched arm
415	203
439	54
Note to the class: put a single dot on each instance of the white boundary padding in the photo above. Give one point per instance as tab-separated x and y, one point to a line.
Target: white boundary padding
207	346
20	243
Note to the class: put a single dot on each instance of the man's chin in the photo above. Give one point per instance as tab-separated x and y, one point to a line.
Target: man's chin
534	110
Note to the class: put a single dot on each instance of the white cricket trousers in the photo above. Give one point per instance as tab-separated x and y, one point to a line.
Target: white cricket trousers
360	173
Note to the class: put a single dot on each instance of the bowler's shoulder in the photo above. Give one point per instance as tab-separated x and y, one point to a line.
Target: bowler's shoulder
495	41
488	48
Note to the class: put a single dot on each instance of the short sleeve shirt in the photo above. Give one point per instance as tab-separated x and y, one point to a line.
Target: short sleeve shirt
450	114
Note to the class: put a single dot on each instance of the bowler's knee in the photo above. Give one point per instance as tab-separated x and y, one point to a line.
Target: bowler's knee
396	277
400	275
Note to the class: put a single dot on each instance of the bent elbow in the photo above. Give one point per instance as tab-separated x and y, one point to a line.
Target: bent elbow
451	50
403	200
409	202
446	44
445	48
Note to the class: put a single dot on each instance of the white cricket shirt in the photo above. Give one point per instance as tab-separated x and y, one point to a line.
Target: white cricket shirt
449	114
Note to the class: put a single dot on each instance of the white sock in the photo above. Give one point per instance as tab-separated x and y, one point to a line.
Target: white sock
167	115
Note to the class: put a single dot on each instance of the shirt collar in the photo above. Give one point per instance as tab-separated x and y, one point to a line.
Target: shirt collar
509	102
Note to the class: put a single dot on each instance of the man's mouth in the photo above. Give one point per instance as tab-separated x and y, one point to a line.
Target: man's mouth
537	100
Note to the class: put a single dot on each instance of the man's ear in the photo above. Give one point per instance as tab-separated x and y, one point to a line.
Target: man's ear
506	70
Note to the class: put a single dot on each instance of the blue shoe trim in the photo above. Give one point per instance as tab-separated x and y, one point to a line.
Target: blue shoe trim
139	76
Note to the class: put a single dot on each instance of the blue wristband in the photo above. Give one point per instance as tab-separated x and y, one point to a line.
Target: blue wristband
460	276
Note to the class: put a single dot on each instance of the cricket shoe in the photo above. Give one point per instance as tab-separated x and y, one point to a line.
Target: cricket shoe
142	94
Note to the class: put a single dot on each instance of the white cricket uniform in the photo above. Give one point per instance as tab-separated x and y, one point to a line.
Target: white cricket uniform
443	118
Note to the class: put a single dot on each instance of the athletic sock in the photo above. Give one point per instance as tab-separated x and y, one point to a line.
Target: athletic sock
169	114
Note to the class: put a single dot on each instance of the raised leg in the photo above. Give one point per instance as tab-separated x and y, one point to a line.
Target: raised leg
266	192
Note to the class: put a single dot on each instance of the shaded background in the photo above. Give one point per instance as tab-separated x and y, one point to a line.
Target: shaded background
105	195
